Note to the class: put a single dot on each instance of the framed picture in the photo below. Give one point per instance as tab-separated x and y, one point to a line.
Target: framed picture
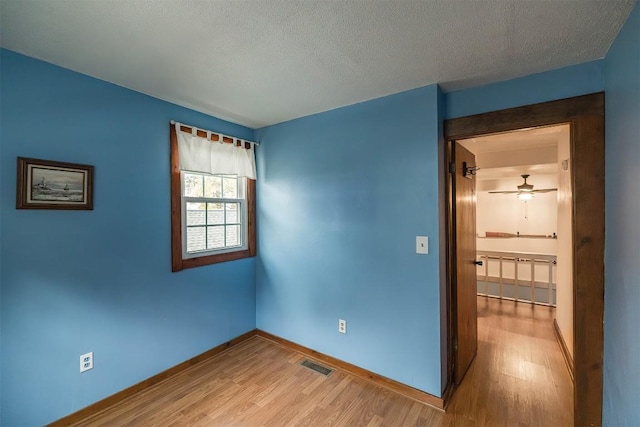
44	184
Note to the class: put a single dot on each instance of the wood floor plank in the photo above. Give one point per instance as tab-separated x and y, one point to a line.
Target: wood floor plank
519	378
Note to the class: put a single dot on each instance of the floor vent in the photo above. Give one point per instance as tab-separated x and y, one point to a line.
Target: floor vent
318	368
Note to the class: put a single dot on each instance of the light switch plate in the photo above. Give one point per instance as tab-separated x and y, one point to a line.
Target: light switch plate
422	245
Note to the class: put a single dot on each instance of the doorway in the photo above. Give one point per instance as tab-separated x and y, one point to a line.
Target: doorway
523	218
585	117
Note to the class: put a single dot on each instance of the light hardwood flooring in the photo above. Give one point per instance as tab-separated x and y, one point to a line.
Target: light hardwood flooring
517	379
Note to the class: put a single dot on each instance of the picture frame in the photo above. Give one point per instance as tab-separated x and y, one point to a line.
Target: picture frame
46	184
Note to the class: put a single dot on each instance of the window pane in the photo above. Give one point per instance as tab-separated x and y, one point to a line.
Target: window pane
193	185
215	237
213	226
195	239
215	213
232	213
230	187
233	235
195	214
212	186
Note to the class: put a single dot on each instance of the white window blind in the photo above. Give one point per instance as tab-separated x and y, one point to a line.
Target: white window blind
197	154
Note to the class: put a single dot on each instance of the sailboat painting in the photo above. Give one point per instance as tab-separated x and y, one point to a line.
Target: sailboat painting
44	184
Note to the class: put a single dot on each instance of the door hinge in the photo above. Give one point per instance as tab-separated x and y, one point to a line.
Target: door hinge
455	344
452	167
469	171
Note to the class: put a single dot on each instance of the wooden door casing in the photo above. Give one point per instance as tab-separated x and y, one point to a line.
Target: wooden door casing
585	115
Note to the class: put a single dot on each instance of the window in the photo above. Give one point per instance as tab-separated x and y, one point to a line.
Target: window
212	214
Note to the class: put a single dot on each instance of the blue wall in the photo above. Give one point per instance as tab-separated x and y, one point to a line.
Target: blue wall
341	197
336	236
562	83
99	280
622	247
0	252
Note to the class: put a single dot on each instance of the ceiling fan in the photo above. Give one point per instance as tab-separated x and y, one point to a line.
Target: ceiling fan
525	190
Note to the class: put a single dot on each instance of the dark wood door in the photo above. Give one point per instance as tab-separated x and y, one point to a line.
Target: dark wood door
466	338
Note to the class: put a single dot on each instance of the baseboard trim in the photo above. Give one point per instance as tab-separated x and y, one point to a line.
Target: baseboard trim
447	394
379	380
565	350
109	401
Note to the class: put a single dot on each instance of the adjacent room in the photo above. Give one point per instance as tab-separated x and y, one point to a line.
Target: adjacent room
524	257
273	213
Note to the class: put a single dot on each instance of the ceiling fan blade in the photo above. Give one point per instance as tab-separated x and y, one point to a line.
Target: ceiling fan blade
503	192
545	190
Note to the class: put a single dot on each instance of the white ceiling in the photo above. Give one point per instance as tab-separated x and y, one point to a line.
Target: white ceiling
532	151
264	62
493	174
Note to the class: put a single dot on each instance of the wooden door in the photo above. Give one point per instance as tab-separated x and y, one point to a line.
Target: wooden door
465	289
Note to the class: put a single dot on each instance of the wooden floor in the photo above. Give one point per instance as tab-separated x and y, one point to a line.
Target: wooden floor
517	379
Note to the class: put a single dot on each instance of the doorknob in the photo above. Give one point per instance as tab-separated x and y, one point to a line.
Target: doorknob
477	262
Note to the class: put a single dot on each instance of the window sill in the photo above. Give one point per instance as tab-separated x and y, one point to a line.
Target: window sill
214	259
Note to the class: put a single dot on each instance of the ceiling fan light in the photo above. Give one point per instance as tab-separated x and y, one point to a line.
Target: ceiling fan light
525	196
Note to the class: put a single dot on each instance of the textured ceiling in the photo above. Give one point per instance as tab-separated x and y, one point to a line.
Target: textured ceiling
264	62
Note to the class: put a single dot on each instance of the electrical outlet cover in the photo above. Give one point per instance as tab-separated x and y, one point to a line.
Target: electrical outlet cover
86	361
342	326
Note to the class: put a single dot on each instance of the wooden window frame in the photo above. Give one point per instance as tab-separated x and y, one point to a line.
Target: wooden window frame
179	263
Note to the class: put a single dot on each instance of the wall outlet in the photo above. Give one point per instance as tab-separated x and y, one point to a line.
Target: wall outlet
86	361
342	326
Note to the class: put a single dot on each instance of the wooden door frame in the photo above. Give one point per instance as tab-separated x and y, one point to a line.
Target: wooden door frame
585	115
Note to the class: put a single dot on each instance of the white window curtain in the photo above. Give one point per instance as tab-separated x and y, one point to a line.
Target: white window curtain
198	154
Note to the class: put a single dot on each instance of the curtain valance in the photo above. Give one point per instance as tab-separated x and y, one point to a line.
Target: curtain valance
198	154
